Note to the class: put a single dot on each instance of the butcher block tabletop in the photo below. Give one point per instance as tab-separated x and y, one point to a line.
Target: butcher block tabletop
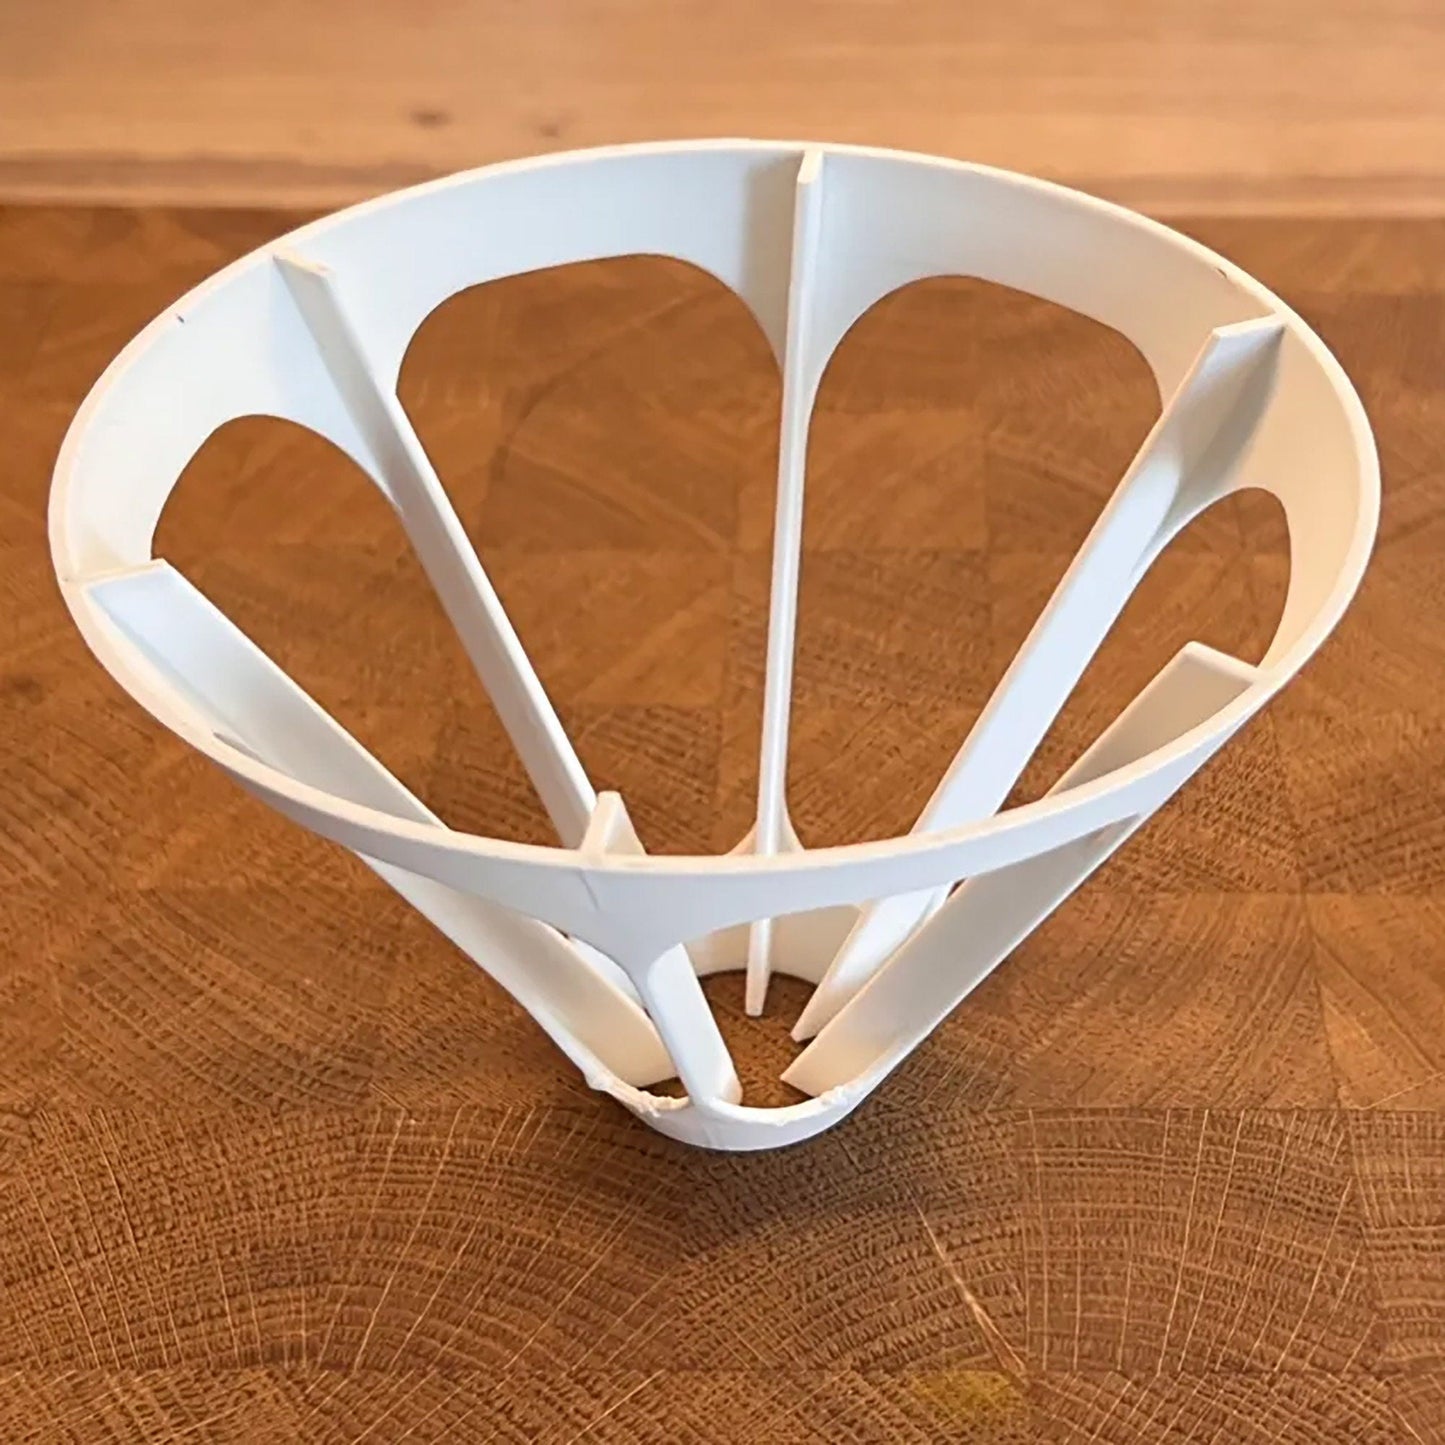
278	1164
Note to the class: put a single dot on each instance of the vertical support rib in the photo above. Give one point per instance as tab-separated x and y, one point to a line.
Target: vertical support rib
451	563
987	917
252	704
1185	463
678	1007
668	985
799	382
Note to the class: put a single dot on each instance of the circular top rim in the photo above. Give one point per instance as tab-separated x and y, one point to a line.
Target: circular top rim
313	802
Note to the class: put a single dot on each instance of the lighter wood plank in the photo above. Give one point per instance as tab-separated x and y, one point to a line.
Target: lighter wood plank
1280	106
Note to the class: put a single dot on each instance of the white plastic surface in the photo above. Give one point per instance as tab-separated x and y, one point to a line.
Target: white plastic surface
601	943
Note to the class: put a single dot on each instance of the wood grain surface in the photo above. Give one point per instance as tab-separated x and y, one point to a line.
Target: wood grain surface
1282	105
276	1164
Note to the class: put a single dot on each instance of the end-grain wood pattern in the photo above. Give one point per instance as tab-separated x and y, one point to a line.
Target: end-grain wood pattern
276	1164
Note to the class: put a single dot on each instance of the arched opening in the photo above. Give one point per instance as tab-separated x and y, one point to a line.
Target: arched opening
965	438
599	426
303	553
1222	582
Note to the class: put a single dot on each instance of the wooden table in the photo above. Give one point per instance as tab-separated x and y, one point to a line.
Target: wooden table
277	1164
1305	106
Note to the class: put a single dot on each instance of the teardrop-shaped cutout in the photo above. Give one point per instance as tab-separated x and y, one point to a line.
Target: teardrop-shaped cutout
961	426
596	425
1222	583
304	554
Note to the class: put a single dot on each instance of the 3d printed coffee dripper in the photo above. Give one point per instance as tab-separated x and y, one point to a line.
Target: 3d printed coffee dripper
589	936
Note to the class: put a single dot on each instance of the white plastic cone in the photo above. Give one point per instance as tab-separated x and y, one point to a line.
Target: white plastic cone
589	935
